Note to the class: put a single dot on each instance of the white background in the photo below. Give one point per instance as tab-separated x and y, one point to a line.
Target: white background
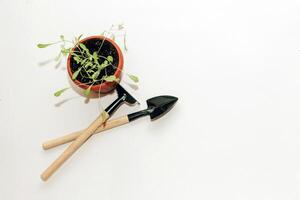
234	133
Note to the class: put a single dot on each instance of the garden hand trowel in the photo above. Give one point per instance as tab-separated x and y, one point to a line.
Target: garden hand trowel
123	96
157	106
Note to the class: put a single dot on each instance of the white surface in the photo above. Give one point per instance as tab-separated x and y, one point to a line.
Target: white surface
234	133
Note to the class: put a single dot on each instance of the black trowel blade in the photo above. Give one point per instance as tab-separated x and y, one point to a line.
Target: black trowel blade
160	105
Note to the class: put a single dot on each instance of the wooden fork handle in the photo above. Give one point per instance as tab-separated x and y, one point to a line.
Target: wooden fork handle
74	146
72	136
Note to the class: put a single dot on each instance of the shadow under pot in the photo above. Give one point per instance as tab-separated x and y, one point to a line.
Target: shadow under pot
104	47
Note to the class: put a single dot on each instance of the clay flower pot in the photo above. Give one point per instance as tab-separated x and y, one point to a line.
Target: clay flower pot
108	48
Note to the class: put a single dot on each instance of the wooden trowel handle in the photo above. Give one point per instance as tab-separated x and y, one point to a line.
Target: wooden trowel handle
74	146
72	136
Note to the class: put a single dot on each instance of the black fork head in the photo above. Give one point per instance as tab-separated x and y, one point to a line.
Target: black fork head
122	93
123	96
160	105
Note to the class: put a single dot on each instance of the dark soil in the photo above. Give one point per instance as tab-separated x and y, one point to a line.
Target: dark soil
107	49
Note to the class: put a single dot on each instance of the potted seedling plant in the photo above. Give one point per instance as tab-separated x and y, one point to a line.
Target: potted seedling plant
94	63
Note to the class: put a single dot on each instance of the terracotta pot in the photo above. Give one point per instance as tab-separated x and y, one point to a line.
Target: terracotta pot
105	87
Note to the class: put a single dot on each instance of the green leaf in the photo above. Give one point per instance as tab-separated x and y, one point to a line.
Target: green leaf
96	74
84	48
77	59
62	37
87	92
44	45
82	45
110	78
83	61
110	58
133	78
88	64
97	65
95	56
104	64
59	92
75	74
65	51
